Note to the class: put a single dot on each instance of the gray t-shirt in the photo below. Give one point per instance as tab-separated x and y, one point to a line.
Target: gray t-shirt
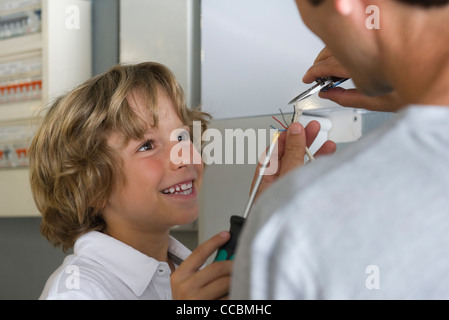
371	222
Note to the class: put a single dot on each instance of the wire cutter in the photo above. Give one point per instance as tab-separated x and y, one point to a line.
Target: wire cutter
322	84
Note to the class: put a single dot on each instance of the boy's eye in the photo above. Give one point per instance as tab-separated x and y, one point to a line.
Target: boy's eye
148	145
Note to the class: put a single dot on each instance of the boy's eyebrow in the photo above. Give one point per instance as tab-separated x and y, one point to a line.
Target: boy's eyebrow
152	130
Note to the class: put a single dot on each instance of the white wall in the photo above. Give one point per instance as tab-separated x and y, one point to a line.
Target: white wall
255	53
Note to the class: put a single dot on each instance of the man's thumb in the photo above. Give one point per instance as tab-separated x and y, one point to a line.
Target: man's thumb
295	145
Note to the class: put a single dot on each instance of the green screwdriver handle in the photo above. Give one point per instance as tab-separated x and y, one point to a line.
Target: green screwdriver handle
226	252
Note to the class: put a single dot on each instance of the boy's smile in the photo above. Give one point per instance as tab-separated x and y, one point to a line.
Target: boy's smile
184	188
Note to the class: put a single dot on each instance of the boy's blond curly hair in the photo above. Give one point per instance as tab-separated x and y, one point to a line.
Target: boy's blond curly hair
72	168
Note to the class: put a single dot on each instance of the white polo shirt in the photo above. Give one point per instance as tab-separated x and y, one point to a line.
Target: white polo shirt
105	268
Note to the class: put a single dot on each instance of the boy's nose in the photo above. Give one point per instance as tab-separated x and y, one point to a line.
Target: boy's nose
181	154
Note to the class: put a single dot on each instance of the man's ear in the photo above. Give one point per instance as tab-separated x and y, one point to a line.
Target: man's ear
353	9
344	7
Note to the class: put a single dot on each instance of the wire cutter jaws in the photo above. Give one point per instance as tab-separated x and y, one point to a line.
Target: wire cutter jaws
322	84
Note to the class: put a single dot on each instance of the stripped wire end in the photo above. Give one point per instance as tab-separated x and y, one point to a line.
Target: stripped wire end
297	113
280	130
279	122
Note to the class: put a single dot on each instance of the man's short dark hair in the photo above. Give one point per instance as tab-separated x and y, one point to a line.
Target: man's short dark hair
424	3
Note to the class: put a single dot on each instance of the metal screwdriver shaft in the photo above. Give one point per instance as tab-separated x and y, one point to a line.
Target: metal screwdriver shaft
262	170
226	252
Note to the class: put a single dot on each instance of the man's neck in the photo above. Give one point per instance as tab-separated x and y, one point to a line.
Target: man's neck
417	55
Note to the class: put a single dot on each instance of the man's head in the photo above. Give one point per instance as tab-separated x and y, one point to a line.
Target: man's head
424	3
374	57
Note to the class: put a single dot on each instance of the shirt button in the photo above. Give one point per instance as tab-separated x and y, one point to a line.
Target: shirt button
161	270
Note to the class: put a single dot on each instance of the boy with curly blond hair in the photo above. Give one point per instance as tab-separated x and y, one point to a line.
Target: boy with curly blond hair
101	176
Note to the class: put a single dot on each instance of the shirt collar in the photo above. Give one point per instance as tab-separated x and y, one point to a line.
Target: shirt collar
134	268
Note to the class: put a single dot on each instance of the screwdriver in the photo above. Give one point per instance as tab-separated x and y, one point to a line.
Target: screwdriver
226	252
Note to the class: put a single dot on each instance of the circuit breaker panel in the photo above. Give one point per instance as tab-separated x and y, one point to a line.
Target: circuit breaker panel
14	141
45	51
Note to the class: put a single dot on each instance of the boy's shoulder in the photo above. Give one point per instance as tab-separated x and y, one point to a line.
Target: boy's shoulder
79	278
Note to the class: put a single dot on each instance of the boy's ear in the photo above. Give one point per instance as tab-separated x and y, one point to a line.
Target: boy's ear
98	206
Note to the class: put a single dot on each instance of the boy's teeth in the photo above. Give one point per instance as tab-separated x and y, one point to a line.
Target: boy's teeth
184	189
186	186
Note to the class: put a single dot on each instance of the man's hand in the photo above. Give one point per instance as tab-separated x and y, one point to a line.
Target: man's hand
291	151
326	65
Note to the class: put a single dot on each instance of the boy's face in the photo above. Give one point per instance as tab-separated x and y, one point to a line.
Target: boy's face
158	193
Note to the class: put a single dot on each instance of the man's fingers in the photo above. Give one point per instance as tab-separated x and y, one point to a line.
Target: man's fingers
294	149
325	68
329	147
312	131
324	54
352	98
